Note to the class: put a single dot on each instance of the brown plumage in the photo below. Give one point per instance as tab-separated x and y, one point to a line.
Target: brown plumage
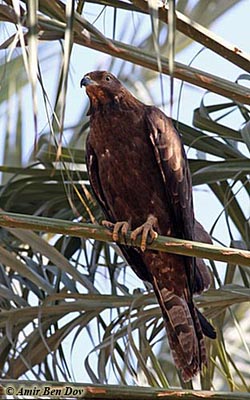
140	176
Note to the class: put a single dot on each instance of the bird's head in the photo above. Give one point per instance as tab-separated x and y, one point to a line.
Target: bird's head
102	88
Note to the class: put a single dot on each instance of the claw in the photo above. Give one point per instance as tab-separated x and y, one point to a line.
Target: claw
145	230
108	224
121	226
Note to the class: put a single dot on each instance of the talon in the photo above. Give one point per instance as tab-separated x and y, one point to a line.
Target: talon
125	228
121	226
107	224
153	234
146	230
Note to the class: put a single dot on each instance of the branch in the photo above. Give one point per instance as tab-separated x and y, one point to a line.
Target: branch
188	74
54	30
190	28
89	231
52	389
202	35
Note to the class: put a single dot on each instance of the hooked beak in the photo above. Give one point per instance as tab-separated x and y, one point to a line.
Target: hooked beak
86	80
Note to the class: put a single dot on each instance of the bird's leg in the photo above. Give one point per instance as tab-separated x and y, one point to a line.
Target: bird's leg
146	230
121	226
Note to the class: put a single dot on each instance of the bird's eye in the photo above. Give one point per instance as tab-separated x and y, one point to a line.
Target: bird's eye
108	78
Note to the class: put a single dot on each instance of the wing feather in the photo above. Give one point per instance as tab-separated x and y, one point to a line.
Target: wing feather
173	165
92	167
132	255
172	161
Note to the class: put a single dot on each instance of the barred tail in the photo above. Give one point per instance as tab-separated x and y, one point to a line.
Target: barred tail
184	332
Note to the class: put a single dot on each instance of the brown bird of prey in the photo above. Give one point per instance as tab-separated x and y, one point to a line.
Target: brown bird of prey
139	174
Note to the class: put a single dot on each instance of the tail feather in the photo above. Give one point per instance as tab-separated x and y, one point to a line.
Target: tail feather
207	328
187	371
184	332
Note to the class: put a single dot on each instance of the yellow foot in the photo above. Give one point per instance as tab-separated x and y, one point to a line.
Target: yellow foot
146	230
121	226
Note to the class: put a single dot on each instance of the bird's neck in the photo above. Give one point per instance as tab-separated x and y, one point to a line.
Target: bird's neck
124	101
